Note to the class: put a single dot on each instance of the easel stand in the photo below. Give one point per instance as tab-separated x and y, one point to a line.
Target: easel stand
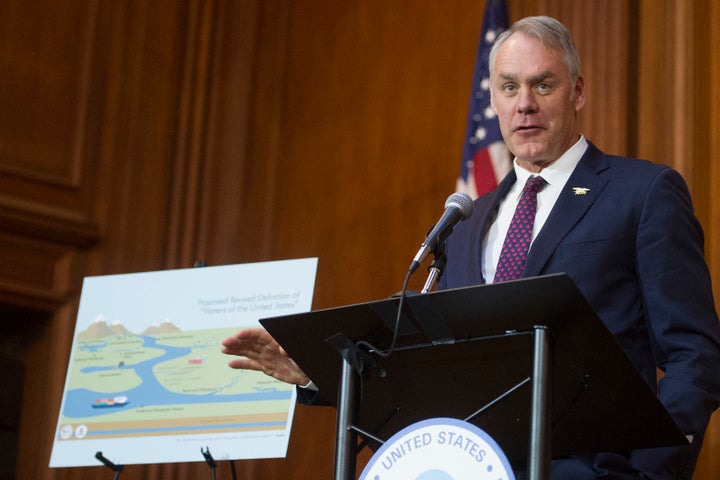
210	461
205	453
500	351
115	468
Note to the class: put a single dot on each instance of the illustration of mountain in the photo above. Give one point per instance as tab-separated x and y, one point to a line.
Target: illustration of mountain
101	329
165	327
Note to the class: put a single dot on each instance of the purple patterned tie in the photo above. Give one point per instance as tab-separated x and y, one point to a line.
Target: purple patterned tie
517	242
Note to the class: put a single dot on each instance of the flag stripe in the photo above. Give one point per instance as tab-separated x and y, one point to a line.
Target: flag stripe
483	171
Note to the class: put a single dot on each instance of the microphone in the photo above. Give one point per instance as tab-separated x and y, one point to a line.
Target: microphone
458	207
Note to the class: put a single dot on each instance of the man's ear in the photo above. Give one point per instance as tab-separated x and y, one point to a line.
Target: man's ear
579	93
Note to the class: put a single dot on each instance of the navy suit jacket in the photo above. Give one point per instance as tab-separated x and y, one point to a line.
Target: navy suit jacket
634	248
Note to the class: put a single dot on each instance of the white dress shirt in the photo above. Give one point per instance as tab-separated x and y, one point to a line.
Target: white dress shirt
556	175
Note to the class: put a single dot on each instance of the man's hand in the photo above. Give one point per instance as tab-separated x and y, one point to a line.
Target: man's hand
262	353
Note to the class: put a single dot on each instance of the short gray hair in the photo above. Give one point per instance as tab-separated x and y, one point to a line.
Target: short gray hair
550	32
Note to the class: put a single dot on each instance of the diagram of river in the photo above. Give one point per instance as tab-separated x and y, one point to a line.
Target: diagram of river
79	402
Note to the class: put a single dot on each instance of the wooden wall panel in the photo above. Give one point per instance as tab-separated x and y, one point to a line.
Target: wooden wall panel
707	90
665	84
48	125
703	34
36	272
44	89
233	131
47	130
371	134
137	79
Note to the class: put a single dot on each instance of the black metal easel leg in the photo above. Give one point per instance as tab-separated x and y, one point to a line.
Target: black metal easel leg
345	436
210	461
115	468
539	449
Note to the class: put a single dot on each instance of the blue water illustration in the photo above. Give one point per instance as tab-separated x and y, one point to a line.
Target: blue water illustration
79	402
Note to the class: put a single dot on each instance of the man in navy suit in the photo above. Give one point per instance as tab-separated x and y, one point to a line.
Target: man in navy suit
622	229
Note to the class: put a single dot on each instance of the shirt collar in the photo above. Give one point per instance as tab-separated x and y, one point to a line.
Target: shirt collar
558	172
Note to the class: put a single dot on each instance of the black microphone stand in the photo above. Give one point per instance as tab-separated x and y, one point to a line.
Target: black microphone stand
435	269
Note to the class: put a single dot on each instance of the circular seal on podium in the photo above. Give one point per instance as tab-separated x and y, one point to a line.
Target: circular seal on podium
439	449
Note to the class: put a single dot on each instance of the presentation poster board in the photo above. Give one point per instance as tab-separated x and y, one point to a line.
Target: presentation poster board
147	381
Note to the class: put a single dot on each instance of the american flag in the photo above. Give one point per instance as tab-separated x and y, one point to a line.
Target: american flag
486	159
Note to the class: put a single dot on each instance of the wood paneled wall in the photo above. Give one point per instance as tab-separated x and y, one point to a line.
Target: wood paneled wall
143	135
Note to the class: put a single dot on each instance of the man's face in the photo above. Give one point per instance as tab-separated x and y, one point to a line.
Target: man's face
535	101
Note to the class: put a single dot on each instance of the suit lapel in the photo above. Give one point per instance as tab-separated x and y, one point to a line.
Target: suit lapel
500	193
582	189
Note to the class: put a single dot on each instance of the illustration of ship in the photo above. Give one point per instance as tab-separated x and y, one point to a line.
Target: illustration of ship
118	401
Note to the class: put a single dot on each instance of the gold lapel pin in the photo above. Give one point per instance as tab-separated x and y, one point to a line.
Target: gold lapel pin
580	190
